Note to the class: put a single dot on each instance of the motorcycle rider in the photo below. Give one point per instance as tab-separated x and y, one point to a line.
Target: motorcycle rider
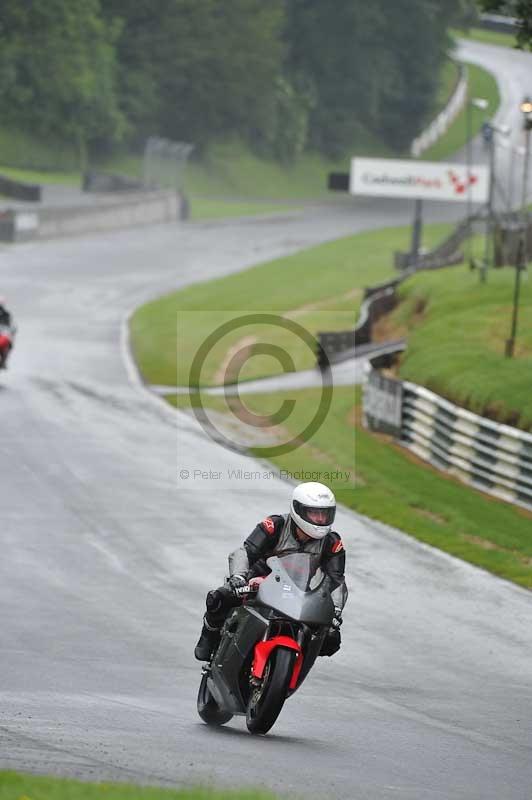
307	528
5	316
7	332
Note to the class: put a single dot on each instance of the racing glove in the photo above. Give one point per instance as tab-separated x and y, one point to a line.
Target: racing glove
337	619
237	582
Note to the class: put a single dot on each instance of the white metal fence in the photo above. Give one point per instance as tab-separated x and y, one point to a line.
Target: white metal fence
444	119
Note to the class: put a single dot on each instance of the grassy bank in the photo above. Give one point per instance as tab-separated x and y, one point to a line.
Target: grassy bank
40	176
449	77
15	786
387	483
231	169
456	329
487	37
321	288
24	150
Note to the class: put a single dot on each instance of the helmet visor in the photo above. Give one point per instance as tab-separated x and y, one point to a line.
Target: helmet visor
315	515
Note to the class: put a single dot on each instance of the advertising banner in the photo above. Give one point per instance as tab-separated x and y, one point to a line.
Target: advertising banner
426	180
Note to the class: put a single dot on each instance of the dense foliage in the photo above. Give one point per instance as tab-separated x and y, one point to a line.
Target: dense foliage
57	70
285	76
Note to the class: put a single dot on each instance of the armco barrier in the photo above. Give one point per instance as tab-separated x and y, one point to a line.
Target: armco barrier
381	299
487	455
445	254
340	345
444	119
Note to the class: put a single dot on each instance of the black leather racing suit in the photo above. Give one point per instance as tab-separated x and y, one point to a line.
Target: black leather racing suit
7	333
272	537
5	317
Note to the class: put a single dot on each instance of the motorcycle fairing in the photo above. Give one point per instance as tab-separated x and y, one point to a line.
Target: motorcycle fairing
282	591
241	631
263	651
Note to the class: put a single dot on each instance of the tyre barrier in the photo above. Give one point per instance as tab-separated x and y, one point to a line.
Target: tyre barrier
27	192
492	457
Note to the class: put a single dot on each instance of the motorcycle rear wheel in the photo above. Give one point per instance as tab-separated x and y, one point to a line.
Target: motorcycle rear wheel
208	708
267	700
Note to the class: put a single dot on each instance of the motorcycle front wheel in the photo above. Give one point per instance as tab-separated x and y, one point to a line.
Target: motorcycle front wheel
208	708
267	700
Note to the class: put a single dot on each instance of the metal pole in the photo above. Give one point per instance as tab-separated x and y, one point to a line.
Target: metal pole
511	172
521	259
489	215
519	267
528	125
469	147
417	228
524	193
515	151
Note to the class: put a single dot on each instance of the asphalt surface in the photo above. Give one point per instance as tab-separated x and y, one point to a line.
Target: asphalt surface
512	70
108	547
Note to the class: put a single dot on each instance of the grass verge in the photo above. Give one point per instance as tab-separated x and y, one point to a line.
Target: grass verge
388	483
230	169
457	328
487	37
321	288
41	177
449	77
16	786
28	151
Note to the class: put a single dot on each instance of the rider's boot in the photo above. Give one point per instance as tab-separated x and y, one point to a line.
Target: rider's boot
208	641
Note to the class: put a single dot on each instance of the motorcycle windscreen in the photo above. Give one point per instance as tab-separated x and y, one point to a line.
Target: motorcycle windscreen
302	568
297	588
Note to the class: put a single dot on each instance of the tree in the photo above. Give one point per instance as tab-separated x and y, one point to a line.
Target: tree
199	69
58	70
373	66
282	75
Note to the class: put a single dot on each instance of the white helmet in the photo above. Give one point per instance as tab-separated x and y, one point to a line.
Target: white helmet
313	509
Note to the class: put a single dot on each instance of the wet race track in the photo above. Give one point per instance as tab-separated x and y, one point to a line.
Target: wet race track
106	555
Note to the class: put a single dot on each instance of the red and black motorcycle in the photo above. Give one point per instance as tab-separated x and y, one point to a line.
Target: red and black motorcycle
268	645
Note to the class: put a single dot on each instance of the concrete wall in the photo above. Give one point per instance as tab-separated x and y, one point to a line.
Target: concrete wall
141	209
